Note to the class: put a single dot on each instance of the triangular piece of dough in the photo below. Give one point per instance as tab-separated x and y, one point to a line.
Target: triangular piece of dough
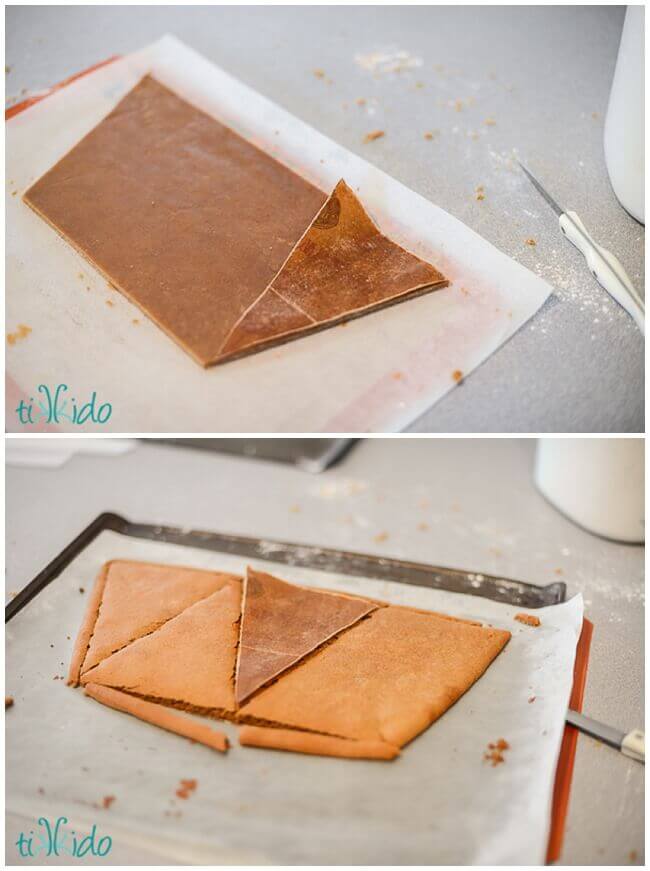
189	662
281	623
342	267
269	318
386	680
131	599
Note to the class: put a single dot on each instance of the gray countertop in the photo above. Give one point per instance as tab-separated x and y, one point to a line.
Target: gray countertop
480	511
491	83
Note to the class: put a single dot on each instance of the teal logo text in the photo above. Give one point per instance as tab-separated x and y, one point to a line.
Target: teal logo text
56	405
51	839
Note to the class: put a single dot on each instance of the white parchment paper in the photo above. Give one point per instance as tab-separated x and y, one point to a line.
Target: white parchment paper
376	374
439	803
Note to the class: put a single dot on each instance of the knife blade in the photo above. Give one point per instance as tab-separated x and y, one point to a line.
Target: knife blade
631	744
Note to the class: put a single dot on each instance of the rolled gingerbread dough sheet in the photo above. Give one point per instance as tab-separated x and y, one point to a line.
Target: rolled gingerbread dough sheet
199	228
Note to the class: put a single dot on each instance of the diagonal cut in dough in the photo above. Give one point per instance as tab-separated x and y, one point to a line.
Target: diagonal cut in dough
131	599
386	679
313	744
158	716
281	623
341	268
188	663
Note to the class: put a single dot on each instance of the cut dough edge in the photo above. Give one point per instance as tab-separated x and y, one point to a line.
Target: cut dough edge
91	616
157	715
286	334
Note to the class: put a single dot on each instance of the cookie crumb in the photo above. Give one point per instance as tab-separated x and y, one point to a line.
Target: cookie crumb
531	699
360	101
186	788
494	752
9	701
21	333
107	801
82	589
381	536
423	526
457	375
632	855
490	122
530	242
528	619
320	74
375	134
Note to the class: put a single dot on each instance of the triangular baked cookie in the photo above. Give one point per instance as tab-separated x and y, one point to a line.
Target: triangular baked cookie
281	623
131	599
188	663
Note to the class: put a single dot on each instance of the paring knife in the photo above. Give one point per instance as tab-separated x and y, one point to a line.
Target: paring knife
631	744
603	265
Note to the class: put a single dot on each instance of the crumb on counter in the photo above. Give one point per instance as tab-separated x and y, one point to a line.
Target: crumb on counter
480	192
21	333
320	74
9	701
490	122
457	375
381	536
531	699
107	801
494	752
186	788
360	101
82	589
528	619
373	135
530	242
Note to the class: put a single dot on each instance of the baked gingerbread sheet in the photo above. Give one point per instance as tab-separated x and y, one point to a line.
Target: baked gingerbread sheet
351	676
225	248
439	801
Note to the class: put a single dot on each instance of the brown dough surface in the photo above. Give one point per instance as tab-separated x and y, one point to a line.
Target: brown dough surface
386	679
281	623
225	248
158	716
317	745
186	218
189	661
131	599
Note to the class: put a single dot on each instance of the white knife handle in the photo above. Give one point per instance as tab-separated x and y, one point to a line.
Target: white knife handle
605	267
634	745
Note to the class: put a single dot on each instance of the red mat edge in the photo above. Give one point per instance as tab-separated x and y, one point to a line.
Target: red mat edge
566	760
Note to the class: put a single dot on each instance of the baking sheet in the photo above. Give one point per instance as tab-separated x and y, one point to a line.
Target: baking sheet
439	803
387	367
